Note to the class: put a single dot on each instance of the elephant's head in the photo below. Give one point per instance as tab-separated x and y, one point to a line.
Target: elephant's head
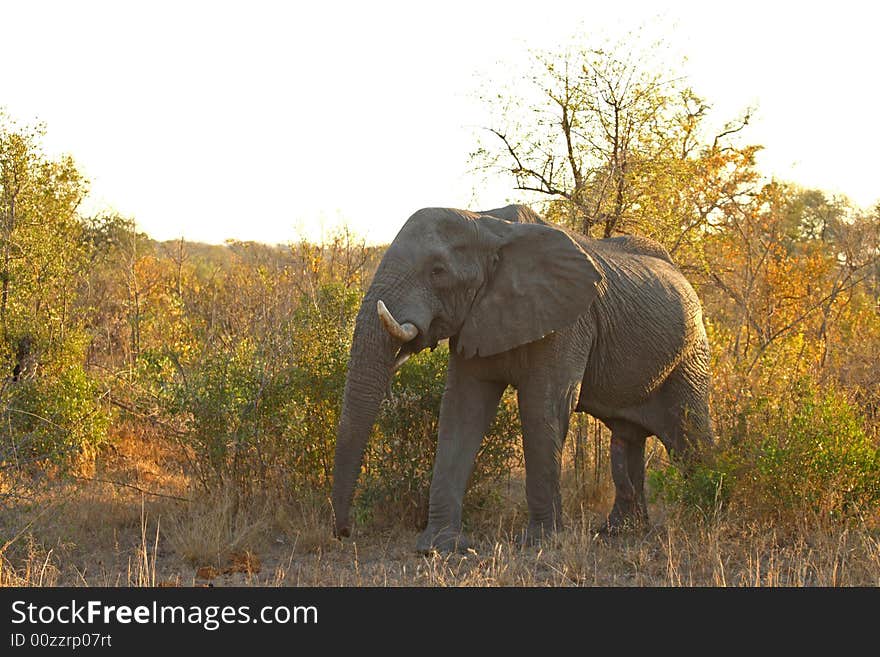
486	283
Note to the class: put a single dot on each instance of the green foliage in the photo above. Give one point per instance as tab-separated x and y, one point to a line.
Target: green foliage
801	454
321	337
257	416
50	406
814	456
704	486
53	415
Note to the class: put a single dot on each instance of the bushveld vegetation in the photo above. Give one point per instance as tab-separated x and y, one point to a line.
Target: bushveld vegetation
168	410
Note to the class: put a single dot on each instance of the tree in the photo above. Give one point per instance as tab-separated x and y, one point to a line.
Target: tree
787	276
41	250
615	146
48	402
118	286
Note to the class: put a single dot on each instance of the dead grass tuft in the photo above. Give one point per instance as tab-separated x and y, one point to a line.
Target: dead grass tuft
209	531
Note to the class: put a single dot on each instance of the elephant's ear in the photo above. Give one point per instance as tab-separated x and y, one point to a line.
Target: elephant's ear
542	281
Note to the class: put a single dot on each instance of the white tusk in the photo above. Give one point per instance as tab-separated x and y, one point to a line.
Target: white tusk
403	332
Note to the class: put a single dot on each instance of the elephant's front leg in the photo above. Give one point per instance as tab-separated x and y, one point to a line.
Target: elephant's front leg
467	410
545	410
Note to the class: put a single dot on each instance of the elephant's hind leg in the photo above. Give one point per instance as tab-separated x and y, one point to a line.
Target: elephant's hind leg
628	472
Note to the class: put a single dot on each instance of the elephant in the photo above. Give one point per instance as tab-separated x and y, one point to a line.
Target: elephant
608	327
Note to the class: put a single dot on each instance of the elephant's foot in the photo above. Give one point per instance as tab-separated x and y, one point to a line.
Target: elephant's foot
443	540
536	533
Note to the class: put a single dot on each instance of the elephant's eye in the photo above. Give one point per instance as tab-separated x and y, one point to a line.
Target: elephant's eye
437	270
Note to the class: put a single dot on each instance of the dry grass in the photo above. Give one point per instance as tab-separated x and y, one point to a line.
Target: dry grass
673	554
84	533
208	530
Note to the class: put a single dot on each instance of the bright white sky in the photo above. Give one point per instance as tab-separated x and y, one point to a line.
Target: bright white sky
269	120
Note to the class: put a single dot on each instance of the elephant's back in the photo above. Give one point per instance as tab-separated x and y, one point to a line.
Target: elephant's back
635	245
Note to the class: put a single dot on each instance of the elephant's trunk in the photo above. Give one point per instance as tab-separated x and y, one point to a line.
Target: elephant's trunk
370	366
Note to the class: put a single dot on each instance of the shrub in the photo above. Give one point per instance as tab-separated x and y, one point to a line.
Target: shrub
704	486
258	414
321	338
804	453
814	457
53	413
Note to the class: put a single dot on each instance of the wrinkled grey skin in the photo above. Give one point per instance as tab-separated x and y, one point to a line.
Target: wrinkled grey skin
607	327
